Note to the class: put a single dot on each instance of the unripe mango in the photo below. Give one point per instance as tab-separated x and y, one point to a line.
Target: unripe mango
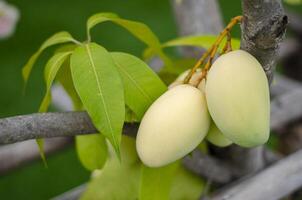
215	137
173	126
237	94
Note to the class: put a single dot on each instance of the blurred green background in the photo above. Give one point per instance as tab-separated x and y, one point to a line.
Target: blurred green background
39	20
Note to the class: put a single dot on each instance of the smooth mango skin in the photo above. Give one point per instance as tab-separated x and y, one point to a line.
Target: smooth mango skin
237	94
216	137
173	126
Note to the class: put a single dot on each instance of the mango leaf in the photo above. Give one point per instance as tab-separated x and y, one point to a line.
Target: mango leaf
156	183
130	115
205	41
40	143
65	79
293	2
139	30
92	151
141	85
58	38
117	180
100	89
186	185
52	67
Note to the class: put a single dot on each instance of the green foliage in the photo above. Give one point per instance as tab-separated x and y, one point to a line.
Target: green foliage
186	186
65	79
139	30
156	183
203	41
58	38
130	180
141	85
92	151
293	2
51	69
100	88
117	180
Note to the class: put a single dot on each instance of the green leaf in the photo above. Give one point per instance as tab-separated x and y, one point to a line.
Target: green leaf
40	143
92	151
156	183
139	30
100	88
186	185
141	85
130	115
52	67
293	2
58	38
205	41
117	180
65	79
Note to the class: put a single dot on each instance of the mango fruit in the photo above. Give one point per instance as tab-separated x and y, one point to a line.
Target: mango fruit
237	94
216	137
173	126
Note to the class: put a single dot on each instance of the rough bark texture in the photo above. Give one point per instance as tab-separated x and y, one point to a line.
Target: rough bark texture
47	125
263	29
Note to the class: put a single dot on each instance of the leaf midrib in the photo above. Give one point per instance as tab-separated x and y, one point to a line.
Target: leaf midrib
100	93
134	82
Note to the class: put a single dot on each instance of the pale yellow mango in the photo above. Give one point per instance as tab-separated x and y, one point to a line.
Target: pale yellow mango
216	137
173	126
237	94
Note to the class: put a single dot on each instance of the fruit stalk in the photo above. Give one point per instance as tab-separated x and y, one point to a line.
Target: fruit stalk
212	51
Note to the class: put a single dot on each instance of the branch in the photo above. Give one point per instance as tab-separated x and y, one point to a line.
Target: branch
263	29
273	183
204	165
48	125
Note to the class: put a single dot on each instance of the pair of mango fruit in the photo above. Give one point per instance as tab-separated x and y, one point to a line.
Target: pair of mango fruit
231	106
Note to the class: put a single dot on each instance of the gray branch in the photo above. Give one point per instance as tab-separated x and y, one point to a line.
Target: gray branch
273	183
48	125
263	29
